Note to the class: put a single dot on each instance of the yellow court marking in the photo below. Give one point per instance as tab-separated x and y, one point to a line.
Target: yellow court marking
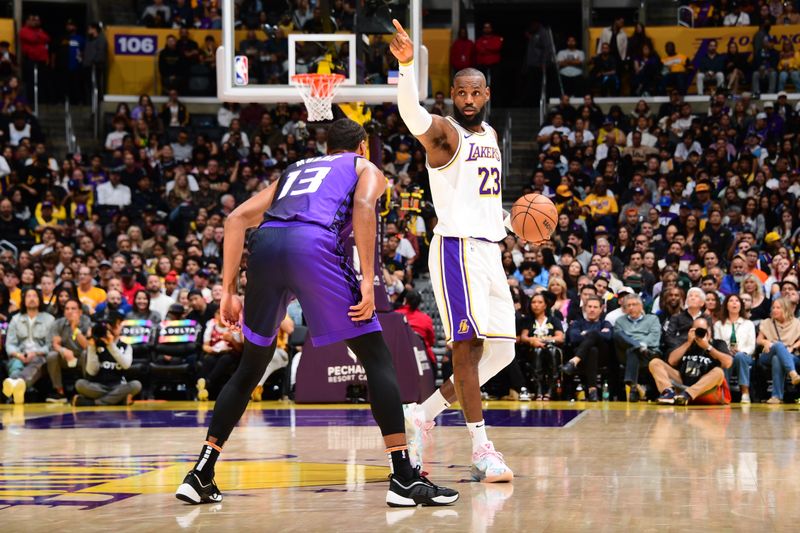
249	475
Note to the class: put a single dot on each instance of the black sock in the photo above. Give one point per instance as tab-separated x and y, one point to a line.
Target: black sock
204	468
401	466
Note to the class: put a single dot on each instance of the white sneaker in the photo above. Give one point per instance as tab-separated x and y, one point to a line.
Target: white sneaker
417	432
745	398
524	395
202	393
488	466
8	387
19	391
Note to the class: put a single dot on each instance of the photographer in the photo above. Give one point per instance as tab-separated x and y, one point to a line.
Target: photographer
107	356
698	365
69	342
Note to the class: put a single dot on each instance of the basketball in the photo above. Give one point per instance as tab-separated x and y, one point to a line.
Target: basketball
534	217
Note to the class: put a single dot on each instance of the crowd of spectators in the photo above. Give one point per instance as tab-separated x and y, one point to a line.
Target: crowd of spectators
717	13
632	64
671	222
110	262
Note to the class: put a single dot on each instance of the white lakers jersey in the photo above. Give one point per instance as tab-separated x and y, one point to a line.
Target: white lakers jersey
466	191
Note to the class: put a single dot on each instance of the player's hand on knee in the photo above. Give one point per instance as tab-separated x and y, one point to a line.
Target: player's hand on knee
401	45
230	309
364	309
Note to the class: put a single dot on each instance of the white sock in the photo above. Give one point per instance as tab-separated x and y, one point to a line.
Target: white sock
434	405
477	430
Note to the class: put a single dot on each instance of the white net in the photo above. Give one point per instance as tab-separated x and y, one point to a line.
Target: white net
317	91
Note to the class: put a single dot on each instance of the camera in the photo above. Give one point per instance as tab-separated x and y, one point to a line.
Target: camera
700	333
100	331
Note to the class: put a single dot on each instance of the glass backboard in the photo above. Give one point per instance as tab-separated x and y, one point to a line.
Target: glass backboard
261	51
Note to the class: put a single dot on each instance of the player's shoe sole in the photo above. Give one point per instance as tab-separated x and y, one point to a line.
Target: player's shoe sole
193	492
505	477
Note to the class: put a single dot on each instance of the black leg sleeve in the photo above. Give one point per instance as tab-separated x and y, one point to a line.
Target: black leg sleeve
235	395
384	392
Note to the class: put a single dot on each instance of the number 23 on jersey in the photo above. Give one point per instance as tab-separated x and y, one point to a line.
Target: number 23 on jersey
490	181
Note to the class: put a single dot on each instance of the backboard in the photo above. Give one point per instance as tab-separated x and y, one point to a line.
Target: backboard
258	56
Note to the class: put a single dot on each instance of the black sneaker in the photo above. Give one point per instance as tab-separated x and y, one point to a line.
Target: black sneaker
683	399
56	397
568	368
417	491
193	492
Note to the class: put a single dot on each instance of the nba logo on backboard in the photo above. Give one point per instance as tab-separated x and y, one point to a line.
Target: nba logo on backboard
240	71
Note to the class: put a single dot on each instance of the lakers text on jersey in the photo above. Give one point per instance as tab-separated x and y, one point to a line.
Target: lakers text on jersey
466	191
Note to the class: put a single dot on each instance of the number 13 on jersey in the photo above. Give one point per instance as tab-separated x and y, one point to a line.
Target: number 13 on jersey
490	181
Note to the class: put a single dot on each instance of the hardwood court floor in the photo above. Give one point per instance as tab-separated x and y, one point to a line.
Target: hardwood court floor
612	467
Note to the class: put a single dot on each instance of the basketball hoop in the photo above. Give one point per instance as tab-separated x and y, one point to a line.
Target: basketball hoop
317	91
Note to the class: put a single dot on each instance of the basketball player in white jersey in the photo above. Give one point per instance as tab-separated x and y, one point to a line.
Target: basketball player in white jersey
472	294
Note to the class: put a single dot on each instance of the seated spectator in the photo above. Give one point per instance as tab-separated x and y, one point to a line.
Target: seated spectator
605	72
736	17
27	346
106	359
202	312
711	65
731	283
590	339
280	359
114	304
113	193
697	365
779	339
130	286
70	339
174	113
222	348
735	67
637	337
646	71
115	138
676	68
740	336
419	321
141	308
556	125
159	300
156	15
543	336
788	66
765	65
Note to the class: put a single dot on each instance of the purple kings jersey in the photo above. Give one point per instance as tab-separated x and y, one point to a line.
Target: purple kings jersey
317	191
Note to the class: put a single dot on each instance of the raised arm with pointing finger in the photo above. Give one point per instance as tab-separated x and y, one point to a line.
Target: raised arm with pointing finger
436	134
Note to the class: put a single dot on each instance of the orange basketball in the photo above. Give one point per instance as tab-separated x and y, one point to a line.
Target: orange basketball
534	217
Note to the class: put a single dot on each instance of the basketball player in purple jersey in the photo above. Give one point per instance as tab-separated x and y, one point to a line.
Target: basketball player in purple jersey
464	167
297	251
